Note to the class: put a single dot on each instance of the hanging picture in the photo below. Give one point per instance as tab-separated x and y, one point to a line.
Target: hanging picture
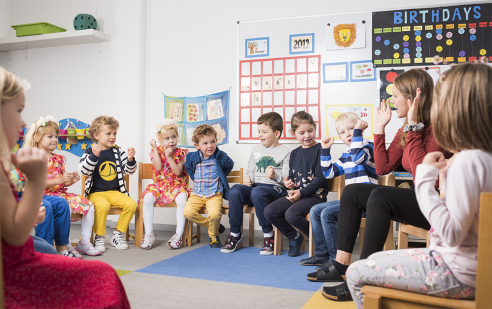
258	47
176	111
362	71
214	109
335	72
301	43
364	111
386	79
346	35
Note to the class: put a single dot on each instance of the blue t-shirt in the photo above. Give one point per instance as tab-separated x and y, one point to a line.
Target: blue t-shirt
105	176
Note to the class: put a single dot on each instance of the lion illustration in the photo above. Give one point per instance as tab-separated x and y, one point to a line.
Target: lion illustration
345	34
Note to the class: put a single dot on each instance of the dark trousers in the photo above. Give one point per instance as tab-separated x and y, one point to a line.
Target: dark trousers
284	214
381	204
258	195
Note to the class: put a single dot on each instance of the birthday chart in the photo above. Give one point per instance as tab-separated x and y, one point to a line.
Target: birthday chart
416	37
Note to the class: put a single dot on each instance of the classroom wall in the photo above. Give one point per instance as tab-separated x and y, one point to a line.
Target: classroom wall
181	48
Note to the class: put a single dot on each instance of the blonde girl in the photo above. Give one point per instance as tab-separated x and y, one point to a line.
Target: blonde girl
43	134
170	183
306	182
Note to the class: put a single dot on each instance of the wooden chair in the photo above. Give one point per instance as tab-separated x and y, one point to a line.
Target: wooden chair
377	297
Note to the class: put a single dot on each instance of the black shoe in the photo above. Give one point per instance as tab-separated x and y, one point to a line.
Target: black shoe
337	293
295	245
268	243
315	260
329	274
221	229
215	243
324	265
231	243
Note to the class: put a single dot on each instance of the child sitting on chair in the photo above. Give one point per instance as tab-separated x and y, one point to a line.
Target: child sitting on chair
170	183
208	168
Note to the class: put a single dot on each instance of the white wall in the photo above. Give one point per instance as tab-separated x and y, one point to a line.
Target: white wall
183	48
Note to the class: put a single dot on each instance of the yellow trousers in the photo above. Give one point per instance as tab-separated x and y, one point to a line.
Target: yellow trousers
214	208
103	202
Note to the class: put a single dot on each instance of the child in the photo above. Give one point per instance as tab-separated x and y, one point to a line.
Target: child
357	164
103	164
208	168
31	279
43	134
267	167
307	181
448	267
170	183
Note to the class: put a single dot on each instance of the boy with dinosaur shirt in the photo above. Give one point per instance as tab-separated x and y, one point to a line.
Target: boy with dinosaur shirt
264	182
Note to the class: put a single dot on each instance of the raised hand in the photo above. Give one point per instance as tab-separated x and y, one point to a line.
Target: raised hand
153	143
270	172
247	181
382	117
361	125
294	196
327	142
131	153
96	150
289	184
413	108
31	162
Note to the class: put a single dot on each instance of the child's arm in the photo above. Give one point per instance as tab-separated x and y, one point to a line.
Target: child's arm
285	170
360	153
250	171
88	162
188	166
18	218
176	168
228	165
128	163
156	158
328	169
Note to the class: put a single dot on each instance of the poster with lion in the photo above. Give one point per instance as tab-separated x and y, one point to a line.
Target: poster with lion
345	35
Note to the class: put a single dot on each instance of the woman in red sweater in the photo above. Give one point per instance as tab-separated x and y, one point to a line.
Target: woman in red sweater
412	97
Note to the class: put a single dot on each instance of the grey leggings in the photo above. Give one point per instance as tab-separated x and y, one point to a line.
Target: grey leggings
416	270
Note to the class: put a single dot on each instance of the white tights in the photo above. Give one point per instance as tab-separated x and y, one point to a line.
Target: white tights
86	225
148	212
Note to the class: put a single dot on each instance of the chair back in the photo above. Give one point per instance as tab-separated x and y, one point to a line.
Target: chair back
235	177
144	172
387	180
126	178
484	268
336	185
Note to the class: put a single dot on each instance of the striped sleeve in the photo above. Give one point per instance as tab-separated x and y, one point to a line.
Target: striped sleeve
330	170
87	163
129	167
360	153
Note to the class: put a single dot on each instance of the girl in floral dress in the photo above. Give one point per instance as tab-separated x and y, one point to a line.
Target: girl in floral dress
170	183
43	134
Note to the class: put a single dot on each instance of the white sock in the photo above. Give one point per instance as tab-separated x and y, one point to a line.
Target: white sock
64	252
268	234
235	234
180	219
297	236
86	226
148	212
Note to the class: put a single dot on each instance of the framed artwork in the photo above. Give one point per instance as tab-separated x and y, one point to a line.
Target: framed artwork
362	71
364	111
335	72
257	47
301	43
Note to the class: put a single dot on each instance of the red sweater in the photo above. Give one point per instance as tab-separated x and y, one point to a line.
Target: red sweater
412	155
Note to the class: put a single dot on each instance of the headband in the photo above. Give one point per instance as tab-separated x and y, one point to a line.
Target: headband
166	122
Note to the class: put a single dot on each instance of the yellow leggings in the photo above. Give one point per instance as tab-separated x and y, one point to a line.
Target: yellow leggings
103	201
214	208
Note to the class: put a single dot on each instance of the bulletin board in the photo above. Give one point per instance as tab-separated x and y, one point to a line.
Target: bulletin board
191	112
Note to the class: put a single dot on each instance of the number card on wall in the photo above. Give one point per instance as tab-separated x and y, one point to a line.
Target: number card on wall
301	43
282	85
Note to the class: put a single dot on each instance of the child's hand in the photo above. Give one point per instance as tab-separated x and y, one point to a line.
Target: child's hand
289	184
153	143
361	125
31	162
413	108
270	172
327	142
436	159
169	152
131	153
41	215
96	150
247	181
67	179
294	196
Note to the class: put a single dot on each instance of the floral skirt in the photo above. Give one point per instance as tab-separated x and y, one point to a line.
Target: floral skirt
165	194
78	203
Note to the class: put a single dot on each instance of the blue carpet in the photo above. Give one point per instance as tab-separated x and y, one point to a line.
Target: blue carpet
245	266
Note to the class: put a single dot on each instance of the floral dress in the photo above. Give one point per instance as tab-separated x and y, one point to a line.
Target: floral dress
56	168
166	185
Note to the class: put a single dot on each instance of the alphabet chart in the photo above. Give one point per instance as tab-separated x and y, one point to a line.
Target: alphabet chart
283	85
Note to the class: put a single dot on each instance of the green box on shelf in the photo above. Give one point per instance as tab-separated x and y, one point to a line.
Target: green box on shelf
36	28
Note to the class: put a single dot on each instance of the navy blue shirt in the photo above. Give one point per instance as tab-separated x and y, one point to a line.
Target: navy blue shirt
105	176
305	171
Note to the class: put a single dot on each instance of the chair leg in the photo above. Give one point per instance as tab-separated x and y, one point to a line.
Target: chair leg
311	240
402	239
190	232
138	224
185	234
303	245
389	244
278	242
251	230
372	301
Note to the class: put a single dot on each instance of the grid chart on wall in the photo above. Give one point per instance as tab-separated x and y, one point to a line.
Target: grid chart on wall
283	85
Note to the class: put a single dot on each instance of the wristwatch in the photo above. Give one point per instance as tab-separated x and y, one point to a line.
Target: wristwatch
413	127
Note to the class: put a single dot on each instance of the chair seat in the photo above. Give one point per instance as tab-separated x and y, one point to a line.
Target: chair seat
391	298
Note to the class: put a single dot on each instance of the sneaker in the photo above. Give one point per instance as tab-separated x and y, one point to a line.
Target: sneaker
118	240
231	243
267	248
148	241
215	243
87	249
99	243
175	242
295	245
67	254
74	252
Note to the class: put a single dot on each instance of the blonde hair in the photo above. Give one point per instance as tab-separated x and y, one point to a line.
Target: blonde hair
346	117
10	88
299	118
462	108
164	130
407	83
99	122
201	131
36	133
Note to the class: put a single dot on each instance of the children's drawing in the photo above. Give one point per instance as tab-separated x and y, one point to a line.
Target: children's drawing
194	112
364	111
214	109
362	71
335	72
258	47
176	111
346	35
221	133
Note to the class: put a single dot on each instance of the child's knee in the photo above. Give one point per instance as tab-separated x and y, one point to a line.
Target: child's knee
102	207
188	212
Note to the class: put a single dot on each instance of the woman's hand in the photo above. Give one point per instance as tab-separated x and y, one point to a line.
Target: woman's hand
413	108
382	117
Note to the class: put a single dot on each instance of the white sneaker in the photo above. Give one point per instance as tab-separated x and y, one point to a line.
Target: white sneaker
148	241
118	240
87	249
175	242
74	252
99	243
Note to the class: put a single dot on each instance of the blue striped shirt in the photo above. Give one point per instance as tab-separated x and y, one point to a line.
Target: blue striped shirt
207	182
357	162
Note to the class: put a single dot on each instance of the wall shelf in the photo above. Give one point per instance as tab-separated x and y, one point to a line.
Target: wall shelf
53	39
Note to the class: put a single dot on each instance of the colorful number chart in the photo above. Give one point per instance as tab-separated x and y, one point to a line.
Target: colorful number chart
282	85
417	36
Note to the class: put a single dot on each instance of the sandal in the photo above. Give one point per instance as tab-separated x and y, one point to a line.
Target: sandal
337	293
329	274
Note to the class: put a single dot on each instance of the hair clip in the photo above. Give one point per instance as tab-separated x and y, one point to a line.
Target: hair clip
166	122
42	122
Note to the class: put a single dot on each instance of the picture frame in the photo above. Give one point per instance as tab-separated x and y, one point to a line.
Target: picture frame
362	71
301	43
335	72
257	47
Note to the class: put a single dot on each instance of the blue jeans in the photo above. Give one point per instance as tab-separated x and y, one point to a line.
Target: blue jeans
56	225
258	195
41	246
324	222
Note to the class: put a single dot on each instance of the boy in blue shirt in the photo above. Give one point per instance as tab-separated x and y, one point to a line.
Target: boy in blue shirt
208	168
